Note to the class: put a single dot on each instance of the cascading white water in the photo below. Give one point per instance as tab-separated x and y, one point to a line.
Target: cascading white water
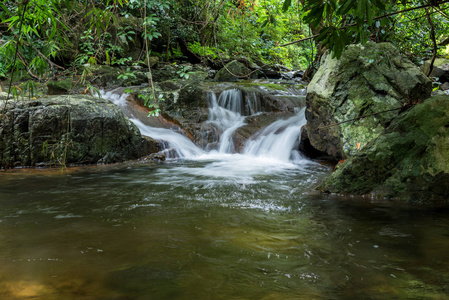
275	143
175	145
225	114
278	140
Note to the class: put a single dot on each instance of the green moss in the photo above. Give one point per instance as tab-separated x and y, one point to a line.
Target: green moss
232	68
269	86
408	161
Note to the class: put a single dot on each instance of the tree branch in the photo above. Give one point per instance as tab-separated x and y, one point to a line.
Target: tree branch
22	59
376	18
435	46
361	117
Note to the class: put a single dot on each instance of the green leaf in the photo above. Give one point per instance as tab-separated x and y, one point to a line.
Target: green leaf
314	15
5	9
345	6
369	13
379	4
287	4
361	10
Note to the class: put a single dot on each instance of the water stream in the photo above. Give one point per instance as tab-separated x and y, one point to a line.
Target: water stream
212	225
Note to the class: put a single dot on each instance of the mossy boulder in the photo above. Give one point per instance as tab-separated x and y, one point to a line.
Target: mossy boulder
153	60
233	71
365	80
61	86
408	161
67	130
105	76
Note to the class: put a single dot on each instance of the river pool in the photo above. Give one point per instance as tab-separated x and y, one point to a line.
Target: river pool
216	227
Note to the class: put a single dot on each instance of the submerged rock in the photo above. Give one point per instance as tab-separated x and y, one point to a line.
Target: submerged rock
409	161
365	80
61	130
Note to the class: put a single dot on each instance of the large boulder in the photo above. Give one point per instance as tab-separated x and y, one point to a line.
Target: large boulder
409	161
365	80
67	130
233	71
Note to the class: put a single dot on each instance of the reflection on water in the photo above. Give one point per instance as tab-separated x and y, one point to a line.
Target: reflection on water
234	228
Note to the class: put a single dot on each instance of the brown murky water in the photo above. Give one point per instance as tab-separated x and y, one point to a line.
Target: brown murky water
190	230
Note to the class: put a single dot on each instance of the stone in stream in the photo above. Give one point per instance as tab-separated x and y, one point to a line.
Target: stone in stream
409	161
232	69
365	80
59	130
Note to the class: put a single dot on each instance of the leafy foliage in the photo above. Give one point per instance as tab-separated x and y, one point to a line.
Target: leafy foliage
349	21
114	32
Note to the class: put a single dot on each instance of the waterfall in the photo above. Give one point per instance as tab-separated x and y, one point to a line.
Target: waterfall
225	116
243	103
277	141
174	145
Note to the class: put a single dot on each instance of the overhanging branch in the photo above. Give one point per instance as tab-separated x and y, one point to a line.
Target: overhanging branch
376	18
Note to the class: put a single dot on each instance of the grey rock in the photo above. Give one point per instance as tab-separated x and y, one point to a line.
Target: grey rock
365	80
59	130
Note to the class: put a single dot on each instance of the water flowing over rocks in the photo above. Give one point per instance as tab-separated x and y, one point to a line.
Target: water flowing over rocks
189	126
67	130
409	161
187	104
365	80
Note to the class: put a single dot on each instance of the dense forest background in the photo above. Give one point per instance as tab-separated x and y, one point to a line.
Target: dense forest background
44	38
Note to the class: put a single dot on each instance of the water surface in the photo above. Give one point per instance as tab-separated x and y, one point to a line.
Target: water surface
217	227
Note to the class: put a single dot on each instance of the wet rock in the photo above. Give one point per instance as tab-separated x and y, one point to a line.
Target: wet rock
409	161
159	157
276	71
144	281
306	148
440	69
233	71
59	130
365	80
3	96
444	86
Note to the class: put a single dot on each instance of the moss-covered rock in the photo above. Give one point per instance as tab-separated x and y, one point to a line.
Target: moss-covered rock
409	161
67	130
365	80
58	87
153	60
233	71
105	76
